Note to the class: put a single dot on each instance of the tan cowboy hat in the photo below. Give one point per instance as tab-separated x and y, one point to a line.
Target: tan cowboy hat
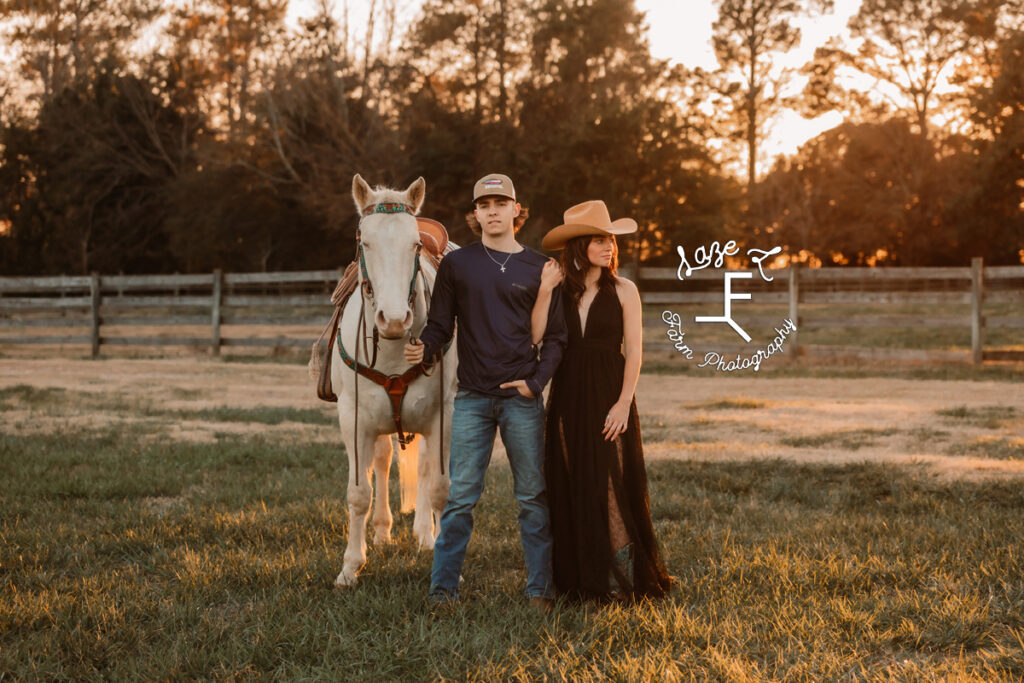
433	235
588	218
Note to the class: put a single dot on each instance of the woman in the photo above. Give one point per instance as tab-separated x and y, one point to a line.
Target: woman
604	543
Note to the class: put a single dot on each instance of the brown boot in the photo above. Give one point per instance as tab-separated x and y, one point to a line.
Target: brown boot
541	604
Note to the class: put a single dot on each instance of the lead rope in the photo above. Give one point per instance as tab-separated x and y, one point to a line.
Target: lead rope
360	330
367	289
364	286
440	384
440	368
440	380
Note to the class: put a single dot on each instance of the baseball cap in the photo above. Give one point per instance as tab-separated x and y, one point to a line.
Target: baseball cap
496	185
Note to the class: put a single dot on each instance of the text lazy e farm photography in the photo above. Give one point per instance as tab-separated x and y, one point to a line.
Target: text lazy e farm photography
215	217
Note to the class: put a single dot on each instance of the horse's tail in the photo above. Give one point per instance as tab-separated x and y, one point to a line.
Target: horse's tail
408	462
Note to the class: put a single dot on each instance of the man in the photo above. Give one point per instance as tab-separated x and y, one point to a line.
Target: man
490	287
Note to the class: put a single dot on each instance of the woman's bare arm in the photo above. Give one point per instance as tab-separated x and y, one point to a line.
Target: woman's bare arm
632	349
550	277
632	337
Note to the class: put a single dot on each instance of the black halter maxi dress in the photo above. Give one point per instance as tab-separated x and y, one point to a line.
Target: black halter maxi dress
604	542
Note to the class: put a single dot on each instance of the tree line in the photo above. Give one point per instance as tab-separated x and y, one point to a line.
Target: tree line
140	137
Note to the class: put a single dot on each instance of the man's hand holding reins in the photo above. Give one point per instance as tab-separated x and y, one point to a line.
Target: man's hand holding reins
414	351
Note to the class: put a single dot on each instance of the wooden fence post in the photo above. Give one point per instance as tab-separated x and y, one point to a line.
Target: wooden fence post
636	260
94	305
794	307
977	319
218	280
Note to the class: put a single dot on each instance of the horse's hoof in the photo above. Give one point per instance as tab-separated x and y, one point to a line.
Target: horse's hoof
425	542
382	536
346	579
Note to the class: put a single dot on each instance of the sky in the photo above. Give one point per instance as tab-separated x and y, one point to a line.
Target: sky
680	30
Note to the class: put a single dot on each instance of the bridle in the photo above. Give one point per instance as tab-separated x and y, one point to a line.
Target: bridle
385	207
364	274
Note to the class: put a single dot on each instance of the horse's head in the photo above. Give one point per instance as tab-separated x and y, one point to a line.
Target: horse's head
390	243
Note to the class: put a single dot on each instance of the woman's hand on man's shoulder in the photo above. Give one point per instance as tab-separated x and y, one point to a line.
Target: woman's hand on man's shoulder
551	275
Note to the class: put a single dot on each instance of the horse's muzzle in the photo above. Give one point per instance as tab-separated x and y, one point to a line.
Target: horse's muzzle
390	328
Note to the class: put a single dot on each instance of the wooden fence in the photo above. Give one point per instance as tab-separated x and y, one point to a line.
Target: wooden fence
96	304
210	300
799	289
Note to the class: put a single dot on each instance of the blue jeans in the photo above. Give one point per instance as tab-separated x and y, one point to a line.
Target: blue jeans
474	420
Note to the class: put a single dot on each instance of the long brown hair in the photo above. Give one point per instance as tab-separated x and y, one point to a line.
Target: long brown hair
575	265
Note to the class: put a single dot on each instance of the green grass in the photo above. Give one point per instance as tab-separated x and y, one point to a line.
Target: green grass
263	415
729	404
124	558
30	396
1000	448
850	439
989	417
59	401
926	435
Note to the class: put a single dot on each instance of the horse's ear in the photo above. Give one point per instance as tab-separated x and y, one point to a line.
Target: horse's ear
416	192
360	192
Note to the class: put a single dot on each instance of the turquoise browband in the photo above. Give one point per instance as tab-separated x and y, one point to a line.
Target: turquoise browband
388	207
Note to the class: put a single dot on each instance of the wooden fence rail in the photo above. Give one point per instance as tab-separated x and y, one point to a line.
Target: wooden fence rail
97	302
221	300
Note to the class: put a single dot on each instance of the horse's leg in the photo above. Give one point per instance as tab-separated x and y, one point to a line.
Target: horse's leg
432	487
381	508
358	506
422	521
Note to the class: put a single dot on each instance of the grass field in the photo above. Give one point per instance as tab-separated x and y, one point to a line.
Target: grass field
125	553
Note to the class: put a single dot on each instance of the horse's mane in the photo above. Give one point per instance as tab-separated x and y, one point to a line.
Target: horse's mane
387	194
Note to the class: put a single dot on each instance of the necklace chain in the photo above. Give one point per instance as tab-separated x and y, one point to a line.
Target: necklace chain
501	264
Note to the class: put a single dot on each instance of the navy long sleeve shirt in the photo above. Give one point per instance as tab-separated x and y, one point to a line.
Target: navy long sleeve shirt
493	310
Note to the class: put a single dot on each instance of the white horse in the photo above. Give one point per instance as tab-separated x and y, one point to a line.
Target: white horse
395	302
